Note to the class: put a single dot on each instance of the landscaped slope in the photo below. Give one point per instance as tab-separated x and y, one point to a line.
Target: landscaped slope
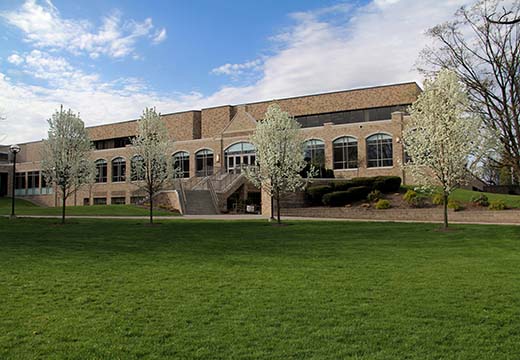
221	290
24	207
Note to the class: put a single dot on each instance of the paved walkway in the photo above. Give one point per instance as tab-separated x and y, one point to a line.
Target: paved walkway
253	217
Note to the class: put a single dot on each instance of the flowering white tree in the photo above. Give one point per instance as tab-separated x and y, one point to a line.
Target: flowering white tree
66	154
444	141
151	168
279	155
86	176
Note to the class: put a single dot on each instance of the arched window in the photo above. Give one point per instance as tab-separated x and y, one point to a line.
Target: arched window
101	171
118	169
239	155
181	164
379	150
315	152
136	168
345	153
204	162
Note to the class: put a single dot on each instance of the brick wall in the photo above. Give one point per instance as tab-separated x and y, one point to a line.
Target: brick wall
426	215
344	100
214	120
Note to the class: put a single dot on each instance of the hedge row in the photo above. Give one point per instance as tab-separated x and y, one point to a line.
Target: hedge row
341	198
384	184
316	193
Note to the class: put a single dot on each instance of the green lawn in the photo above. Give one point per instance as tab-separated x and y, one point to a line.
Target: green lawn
24	207
511	201
117	289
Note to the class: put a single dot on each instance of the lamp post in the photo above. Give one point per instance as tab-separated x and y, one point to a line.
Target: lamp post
14	149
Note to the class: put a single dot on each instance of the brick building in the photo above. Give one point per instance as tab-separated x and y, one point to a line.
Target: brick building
354	132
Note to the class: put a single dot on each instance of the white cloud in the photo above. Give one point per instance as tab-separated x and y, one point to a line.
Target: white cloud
57	71
237	69
343	47
45	28
325	50
160	36
15	59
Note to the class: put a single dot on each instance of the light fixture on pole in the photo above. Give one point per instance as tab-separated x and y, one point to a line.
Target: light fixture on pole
13	149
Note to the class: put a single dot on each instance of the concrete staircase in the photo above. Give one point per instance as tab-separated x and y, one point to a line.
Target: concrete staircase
207	196
199	202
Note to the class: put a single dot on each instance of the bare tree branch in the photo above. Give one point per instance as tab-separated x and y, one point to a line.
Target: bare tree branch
483	49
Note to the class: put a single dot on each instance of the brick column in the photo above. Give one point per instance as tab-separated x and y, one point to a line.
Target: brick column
398	147
266	204
328	146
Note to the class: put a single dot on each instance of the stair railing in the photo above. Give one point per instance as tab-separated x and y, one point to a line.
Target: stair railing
214	197
182	196
221	184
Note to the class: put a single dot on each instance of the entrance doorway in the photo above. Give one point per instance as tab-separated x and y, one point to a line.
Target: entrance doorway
238	156
3	184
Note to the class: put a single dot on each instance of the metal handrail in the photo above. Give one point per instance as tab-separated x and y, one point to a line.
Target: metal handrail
214	196
222	184
182	196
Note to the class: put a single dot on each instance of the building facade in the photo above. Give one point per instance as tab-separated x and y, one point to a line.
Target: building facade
354	132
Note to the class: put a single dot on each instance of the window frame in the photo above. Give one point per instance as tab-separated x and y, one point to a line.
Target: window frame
204	155
376	144
183	158
345	163
100	179
312	147
119	165
133	172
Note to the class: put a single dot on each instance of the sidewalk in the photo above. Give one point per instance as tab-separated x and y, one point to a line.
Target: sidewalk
259	217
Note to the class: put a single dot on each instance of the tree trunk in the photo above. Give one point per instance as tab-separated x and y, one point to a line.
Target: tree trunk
278	208
64	200
151	209
445	203
271	218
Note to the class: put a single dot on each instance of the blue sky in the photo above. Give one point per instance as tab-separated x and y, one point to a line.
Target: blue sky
110	59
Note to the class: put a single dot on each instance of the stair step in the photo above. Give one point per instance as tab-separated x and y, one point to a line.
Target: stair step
199	202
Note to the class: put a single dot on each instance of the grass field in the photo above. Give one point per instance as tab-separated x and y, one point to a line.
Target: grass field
23	207
511	201
107	289
463	195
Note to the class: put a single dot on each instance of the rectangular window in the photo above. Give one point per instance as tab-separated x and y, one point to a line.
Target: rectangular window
118	170
33	183
19	183
100	201
118	201
136	200
86	201
350	116
352	154
113	143
101	171
379	153
45	188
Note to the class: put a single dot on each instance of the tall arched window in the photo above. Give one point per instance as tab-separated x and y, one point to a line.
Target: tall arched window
379	150
315	152
136	168
238	156
118	169
101	171
345	153
204	162
181	164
